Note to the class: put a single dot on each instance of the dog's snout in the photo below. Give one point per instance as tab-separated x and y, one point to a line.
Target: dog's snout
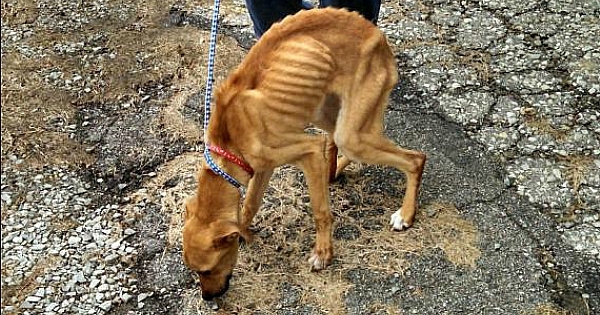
208	296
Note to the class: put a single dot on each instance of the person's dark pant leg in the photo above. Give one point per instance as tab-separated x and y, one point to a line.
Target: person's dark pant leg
266	12
367	8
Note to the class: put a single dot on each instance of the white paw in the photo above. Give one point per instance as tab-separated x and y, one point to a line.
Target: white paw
397	222
317	263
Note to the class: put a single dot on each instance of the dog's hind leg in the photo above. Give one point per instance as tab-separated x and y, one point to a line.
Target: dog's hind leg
359	135
382	151
253	201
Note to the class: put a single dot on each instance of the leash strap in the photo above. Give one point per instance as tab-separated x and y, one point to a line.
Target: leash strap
210	67
208	99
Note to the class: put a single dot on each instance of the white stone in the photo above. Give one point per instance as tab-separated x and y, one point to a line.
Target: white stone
106	306
115	245
74	240
33	299
126	297
50	307
94	283
142	296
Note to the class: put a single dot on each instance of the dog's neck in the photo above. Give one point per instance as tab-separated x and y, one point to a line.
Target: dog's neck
220	199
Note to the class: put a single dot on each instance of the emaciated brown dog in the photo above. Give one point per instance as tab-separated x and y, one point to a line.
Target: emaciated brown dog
326	67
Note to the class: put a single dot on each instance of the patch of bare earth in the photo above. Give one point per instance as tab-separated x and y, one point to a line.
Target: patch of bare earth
114	60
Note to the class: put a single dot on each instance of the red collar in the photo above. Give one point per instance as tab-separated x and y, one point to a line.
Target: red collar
232	158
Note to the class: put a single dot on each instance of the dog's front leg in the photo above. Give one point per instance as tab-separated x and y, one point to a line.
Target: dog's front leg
253	201
316	170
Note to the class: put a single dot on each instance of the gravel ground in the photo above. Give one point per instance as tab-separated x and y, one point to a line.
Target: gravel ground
100	112
524	80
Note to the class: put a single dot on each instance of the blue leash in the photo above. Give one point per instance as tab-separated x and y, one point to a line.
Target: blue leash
211	65
208	99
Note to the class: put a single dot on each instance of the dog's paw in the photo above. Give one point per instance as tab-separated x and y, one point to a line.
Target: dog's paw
320	261
398	223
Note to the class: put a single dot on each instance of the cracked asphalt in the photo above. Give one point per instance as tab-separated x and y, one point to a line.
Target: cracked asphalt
502	95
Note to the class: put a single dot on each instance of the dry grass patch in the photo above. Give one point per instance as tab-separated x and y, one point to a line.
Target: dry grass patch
541	125
15	12
480	61
577	168
149	13
546	309
437	226
138	58
284	235
64	225
175	124
455	236
147	58
244	297
173	198
32	113
380	308
325	290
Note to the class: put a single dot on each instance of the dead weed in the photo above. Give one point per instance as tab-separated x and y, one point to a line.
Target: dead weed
577	168
542	126
546	309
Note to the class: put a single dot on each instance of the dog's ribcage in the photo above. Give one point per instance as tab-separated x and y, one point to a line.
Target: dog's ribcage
299	73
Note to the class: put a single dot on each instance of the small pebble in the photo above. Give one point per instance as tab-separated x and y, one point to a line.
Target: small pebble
106	306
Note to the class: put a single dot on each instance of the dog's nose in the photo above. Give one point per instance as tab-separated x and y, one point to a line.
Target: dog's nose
208	296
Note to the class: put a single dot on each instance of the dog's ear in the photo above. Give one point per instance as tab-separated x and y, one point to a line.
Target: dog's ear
225	240
229	235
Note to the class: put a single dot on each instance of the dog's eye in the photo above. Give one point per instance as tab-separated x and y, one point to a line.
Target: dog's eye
204	272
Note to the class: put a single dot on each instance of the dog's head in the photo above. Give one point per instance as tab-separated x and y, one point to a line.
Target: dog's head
210	249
